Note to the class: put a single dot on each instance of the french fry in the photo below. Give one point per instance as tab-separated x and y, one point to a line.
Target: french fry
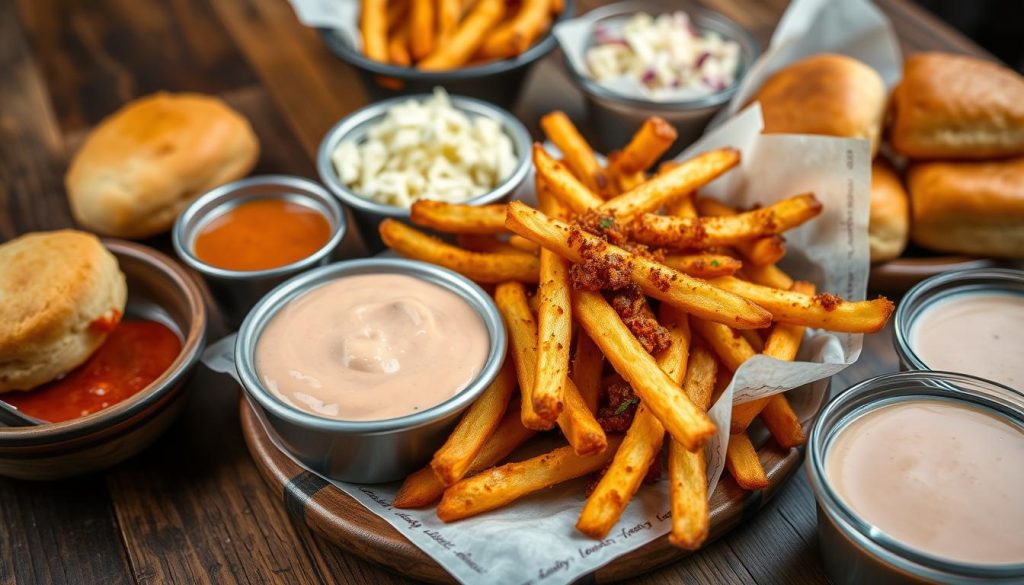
454	458
423	488
398	46
488	268
510	297
457	218
753	337
701	375
678	232
554	318
373	25
467	38
421	33
824	311
487	244
768	275
782	422
685	422
523	244
500	486
730	346
675	358
759	251
515	36
562	183
682	207
587	365
651	141
397	13
693	295
577	153
703	265
448	14
629	182
743	464
679	181
783	343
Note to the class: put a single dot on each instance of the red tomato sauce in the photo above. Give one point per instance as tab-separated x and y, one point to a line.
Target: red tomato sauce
135	354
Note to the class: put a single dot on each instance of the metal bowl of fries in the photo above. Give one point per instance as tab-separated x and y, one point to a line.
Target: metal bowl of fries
355	128
365	451
615	116
494	80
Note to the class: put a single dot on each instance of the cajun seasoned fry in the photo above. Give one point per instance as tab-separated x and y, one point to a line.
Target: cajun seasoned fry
759	251
674	359
486	244
577	153
678	232
467	38
586	369
523	244
423	488
562	183
522	338
500	486
651	141
703	265
373	25
454	458
685	422
701	374
729	345
692	295
782	422
768	275
682	207
743	464
492	268
459	218
554	318
824	311
679	181
421	33
516	35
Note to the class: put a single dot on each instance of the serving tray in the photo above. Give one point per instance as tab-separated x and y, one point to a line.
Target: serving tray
346	523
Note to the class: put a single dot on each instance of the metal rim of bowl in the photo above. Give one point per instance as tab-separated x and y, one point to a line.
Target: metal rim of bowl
275	300
362	117
193	216
739	34
908	310
538	50
846	518
191	350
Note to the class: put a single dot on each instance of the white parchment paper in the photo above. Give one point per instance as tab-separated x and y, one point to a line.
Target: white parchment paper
340	15
535	540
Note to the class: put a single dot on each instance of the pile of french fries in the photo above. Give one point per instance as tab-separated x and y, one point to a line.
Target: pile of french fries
435	35
721	299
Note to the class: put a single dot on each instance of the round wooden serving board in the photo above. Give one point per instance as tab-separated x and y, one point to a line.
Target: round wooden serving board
346	523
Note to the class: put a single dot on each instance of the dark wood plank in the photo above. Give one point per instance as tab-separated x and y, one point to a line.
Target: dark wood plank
98	54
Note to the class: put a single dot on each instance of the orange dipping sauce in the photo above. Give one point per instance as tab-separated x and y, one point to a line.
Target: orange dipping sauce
135	354
262	234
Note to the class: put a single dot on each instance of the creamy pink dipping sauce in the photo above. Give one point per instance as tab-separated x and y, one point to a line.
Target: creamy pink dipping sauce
372	347
976	333
936	475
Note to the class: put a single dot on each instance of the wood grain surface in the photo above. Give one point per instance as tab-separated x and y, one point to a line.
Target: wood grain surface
193	508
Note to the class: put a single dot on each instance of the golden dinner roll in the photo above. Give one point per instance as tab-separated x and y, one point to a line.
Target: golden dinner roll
972	208
142	165
824	94
953	106
61	293
889	224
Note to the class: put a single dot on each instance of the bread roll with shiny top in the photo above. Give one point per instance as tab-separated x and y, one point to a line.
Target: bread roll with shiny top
62	293
889	225
142	165
826	94
953	106
972	208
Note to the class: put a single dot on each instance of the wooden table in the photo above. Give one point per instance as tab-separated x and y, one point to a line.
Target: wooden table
193	508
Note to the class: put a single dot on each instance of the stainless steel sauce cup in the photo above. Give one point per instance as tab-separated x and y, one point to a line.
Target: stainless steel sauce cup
355	127
236	291
938	288
365	451
616	117
852	549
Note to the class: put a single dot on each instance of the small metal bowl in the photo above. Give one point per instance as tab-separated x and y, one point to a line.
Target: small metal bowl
938	287
852	549
616	117
498	82
236	291
356	125
160	290
365	451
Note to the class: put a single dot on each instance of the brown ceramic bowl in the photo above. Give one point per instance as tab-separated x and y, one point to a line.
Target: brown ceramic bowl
160	290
